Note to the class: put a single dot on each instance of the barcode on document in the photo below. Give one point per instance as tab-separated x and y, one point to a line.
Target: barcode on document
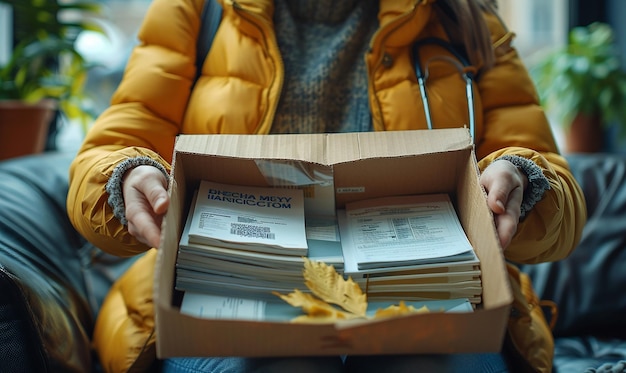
247	230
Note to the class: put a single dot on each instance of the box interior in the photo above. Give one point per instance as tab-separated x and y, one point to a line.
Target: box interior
370	167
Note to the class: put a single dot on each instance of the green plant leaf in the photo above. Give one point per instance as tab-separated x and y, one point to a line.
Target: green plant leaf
586	76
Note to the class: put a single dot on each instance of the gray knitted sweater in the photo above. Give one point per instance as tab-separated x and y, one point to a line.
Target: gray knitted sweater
323	44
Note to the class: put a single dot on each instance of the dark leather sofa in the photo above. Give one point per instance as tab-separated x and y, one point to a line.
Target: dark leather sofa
589	286
52	281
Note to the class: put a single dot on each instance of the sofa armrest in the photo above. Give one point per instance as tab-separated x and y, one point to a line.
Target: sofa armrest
53	281
43	307
589	286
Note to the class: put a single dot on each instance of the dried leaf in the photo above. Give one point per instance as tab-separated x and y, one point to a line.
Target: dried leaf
308	319
399	310
327	284
312	306
331	288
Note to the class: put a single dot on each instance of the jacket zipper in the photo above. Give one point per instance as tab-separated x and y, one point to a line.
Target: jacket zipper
272	49
388	29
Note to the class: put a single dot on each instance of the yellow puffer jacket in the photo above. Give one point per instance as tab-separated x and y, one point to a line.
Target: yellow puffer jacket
153	104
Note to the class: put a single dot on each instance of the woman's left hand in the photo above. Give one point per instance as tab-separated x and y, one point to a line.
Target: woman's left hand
505	185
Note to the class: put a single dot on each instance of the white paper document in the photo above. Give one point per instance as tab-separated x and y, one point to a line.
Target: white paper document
402	231
235	308
251	218
218	307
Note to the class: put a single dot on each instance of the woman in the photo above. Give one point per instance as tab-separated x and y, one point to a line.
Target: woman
305	66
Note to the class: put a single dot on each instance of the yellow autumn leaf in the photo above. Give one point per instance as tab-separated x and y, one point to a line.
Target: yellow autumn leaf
327	284
399	310
312	306
330	288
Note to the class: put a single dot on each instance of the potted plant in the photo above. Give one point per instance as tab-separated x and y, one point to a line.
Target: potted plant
45	74
584	86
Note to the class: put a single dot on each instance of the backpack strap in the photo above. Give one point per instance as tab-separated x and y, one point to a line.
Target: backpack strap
209	23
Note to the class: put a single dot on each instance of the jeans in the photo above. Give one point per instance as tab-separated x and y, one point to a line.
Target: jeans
480	363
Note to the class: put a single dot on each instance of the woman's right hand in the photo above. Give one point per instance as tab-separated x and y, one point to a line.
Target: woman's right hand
146	202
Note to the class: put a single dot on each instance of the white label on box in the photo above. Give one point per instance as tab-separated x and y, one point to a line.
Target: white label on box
351	190
218	307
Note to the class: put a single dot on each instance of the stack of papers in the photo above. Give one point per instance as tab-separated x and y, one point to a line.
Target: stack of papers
410	248
265	220
248	242
243	244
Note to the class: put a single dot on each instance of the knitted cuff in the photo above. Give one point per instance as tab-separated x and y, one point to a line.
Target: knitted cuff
114	186
537	182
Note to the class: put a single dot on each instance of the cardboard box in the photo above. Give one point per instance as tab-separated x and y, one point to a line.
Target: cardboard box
363	165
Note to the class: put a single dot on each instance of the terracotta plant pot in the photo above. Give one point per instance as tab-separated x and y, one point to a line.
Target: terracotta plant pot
586	134
24	127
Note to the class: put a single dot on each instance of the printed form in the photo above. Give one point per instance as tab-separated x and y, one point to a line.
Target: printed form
254	218
404	230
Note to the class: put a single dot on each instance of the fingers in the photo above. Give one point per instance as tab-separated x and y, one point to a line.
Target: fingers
146	201
146	228
499	180
506	227
505	191
507	217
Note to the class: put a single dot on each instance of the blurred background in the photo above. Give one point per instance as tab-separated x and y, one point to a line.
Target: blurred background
544	30
575	64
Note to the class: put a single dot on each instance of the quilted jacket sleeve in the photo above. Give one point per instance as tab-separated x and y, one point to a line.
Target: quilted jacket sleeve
143	119
516	124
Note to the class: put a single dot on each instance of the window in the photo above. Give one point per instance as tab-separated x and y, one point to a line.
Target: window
5	33
121	20
537	23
